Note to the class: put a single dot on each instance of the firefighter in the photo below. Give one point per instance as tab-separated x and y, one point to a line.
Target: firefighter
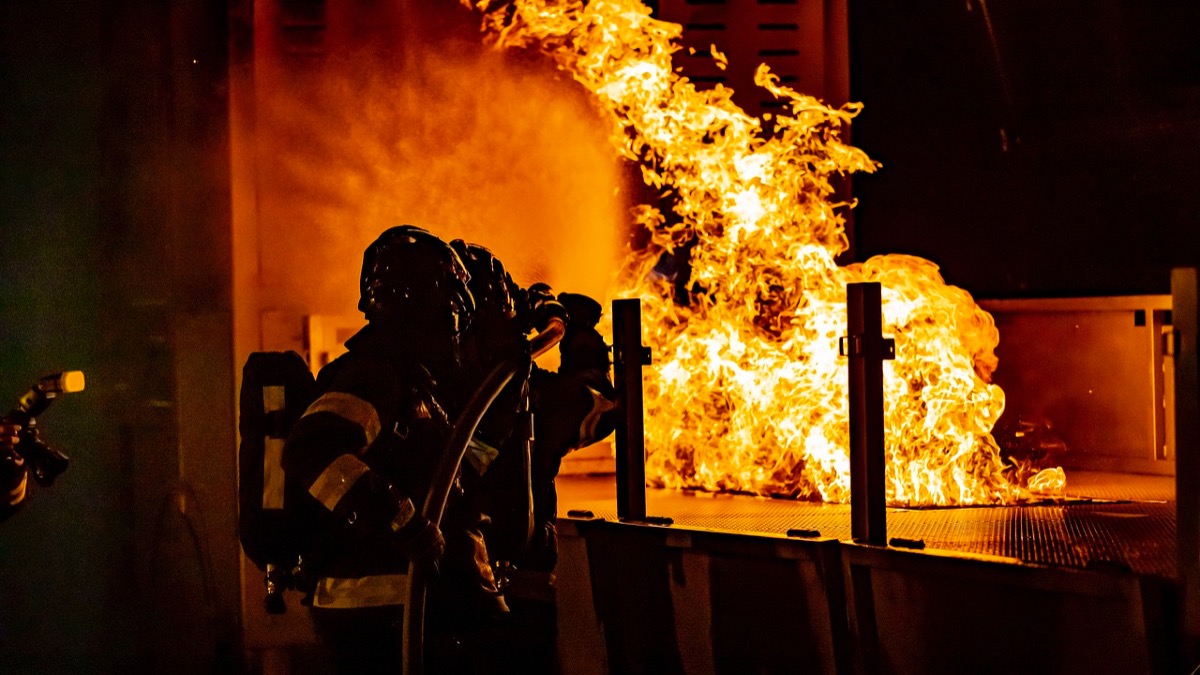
572	408
366	449
505	315
14	476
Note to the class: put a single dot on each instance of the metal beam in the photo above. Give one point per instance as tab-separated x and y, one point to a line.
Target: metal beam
1187	444
629	355
866	348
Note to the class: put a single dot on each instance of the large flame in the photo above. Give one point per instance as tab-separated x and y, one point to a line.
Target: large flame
748	392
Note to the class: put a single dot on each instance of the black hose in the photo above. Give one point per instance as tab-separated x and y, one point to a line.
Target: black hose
439	492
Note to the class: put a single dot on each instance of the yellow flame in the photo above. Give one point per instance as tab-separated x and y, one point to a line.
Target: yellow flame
1049	481
748	392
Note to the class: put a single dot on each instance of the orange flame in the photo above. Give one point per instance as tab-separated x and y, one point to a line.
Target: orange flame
748	392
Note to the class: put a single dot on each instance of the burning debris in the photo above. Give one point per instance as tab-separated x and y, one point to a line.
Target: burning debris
748	392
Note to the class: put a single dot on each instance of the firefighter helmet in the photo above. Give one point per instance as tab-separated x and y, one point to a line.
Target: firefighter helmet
491	285
410	274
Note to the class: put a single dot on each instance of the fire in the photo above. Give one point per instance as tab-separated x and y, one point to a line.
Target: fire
748	392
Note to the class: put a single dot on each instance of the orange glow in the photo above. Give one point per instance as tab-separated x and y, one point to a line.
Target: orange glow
747	391
461	141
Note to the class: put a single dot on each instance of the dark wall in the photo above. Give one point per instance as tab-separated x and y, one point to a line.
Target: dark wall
1031	147
113	235
63	592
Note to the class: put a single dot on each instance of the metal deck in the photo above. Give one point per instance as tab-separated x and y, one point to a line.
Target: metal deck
1129	525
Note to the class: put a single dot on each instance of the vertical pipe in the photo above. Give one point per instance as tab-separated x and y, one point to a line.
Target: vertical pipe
628	358
1187	445
866	349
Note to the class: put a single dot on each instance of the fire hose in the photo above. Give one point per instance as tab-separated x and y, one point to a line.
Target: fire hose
444	475
551	335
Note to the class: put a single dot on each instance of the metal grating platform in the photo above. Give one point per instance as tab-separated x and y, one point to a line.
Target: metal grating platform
1130	525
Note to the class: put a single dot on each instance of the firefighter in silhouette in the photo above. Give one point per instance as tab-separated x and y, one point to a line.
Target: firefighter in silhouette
571	408
366	449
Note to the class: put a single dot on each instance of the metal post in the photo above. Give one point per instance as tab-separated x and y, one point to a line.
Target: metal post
1187	445
866	348
629	355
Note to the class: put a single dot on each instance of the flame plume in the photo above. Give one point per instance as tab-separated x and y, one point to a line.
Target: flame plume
748	392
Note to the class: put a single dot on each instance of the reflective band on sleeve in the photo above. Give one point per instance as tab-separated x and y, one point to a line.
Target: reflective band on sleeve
337	479
373	591
351	408
587	428
480	455
273	398
17	494
403	515
272	495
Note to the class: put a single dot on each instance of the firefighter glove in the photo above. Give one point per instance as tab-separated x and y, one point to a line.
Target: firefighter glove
543	307
583	310
422	542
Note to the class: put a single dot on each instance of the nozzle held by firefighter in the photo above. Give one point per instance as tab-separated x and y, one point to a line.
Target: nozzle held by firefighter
22	449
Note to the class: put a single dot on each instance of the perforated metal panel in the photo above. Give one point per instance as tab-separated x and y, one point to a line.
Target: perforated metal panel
799	39
1137	535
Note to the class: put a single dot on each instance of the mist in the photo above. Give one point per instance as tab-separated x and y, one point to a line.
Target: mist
497	149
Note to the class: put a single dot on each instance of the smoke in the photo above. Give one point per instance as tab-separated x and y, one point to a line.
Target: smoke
459	140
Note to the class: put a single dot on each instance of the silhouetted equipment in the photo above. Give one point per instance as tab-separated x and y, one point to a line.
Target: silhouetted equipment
45	463
276	389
